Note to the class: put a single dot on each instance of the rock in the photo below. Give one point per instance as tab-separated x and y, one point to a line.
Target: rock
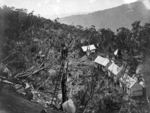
5	72
60	96
52	72
68	106
27	86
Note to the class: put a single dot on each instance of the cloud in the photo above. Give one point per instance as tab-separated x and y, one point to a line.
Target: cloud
147	3
57	1
46	2
39	4
129	1
56	9
1	2
92	1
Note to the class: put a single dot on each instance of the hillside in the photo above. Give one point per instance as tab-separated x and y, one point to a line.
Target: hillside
12	102
42	54
113	18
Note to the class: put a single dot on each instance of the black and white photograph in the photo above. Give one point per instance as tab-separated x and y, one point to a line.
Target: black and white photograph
74	56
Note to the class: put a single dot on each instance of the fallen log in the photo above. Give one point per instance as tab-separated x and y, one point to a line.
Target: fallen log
40	68
26	73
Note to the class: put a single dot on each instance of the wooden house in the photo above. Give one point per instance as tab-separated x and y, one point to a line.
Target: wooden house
90	48
114	68
131	86
101	60
136	90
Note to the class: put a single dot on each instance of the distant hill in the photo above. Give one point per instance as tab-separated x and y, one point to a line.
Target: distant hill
121	16
52	17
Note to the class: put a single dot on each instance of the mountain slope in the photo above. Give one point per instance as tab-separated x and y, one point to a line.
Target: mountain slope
12	102
122	16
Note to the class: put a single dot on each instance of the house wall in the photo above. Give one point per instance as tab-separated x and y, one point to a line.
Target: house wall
136	90
136	93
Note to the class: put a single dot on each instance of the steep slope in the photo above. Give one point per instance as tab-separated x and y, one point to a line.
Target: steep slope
122	16
11	102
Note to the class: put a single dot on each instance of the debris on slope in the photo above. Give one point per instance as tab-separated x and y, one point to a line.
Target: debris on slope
11	102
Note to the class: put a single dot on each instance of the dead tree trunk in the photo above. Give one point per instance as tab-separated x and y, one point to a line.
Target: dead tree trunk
64	88
63	84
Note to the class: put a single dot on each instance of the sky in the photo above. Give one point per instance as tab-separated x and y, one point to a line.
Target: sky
58	8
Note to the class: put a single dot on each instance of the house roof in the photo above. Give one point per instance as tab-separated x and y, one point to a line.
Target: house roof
134	77
128	81
142	84
101	60
116	52
136	90
136	86
89	47
114	69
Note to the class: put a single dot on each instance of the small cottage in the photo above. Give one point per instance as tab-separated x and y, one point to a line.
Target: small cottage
136	90
131	86
126	82
101	60
90	48
114	69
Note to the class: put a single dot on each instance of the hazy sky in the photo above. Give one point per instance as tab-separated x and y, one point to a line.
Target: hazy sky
53	8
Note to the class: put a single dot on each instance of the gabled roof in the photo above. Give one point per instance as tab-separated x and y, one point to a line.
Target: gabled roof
134	77
128	81
136	86
89	47
116	52
114	69
101	60
142	84
136	90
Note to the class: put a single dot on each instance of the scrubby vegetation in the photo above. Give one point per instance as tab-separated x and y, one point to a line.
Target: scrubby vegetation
31	47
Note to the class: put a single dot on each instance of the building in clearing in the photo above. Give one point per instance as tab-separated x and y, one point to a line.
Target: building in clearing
136	90
101	60
89	47
131	86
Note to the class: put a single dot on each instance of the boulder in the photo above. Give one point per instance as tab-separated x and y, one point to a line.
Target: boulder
52	72
68	106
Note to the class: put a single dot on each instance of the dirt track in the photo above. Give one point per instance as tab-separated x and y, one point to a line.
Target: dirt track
12	102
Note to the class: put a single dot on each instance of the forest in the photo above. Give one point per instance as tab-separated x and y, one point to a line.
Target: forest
31	50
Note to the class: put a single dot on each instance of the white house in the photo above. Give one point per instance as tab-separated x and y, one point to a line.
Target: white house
114	68
136	90
133	88
89	47
128	81
102	61
116	52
